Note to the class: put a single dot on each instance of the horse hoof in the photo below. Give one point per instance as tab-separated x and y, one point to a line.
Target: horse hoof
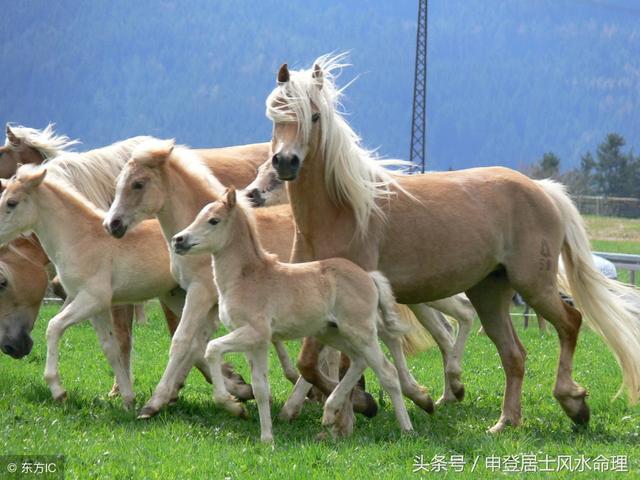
459	393
426	404
60	398
583	415
364	403
147	412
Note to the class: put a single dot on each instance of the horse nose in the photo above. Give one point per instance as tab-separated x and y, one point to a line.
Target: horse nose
275	160
9	349
115	224
178	240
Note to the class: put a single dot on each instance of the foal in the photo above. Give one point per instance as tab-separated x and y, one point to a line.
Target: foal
95	269
263	300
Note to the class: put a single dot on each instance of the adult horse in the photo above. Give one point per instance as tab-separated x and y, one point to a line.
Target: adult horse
484	231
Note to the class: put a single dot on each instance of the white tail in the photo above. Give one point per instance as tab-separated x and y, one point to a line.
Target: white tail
610	308
387	305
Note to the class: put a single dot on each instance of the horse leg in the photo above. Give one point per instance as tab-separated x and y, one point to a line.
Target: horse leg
82	307
461	309
196	323
410	388
243	339
103	325
259	359
285	362
309	369
432	321
122	317
567	321
141	316
172	306
491	299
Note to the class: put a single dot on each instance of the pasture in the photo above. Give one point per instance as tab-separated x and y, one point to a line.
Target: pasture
196	439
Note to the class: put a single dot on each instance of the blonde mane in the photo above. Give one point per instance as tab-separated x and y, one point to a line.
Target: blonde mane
93	174
62	188
190	164
354	175
243	206
45	141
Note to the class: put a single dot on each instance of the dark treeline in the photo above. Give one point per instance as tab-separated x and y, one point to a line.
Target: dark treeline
612	170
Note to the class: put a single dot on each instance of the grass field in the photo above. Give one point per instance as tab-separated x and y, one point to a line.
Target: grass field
194	439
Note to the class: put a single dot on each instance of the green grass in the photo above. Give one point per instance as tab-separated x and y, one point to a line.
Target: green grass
194	439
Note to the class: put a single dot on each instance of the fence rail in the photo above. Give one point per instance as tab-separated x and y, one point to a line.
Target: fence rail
608	206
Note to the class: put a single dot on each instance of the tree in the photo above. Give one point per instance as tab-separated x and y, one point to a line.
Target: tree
614	172
547	167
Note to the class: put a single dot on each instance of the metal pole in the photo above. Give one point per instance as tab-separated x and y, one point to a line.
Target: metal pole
418	119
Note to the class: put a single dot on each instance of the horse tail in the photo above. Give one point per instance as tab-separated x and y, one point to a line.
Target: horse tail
387	305
417	339
610	308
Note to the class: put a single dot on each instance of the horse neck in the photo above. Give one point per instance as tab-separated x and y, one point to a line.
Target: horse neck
311	205
241	253
62	220
31	247
185	196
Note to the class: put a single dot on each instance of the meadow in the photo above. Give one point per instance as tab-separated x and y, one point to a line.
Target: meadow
194	439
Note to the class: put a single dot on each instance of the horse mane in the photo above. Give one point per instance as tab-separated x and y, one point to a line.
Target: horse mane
243	206
45	141
190	164
62	187
93	174
354	175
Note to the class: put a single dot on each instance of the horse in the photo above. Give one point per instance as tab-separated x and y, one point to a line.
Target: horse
94	173
262	299
483	231
168	182
23	284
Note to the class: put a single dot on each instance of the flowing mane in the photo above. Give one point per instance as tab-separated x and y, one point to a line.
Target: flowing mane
62	187
93	174
189	163
45	141
354	175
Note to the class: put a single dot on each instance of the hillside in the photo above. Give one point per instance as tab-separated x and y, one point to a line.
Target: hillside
507	80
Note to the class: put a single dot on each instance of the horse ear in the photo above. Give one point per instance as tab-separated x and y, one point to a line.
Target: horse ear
231	197
318	76
33	181
13	139
283	74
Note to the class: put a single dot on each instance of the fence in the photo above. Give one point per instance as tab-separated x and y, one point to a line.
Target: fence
608	206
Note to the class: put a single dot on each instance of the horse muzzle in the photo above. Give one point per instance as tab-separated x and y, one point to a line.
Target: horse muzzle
17	347
286	166
116	227
182	244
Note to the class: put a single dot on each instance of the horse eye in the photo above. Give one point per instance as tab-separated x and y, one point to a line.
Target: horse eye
137	185
3	284
11	203
315	117
214	221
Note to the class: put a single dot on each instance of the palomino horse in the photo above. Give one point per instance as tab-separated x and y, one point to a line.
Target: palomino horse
23	284
94	269
169	182
94	173
263	299
267	189
25	145
484	231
